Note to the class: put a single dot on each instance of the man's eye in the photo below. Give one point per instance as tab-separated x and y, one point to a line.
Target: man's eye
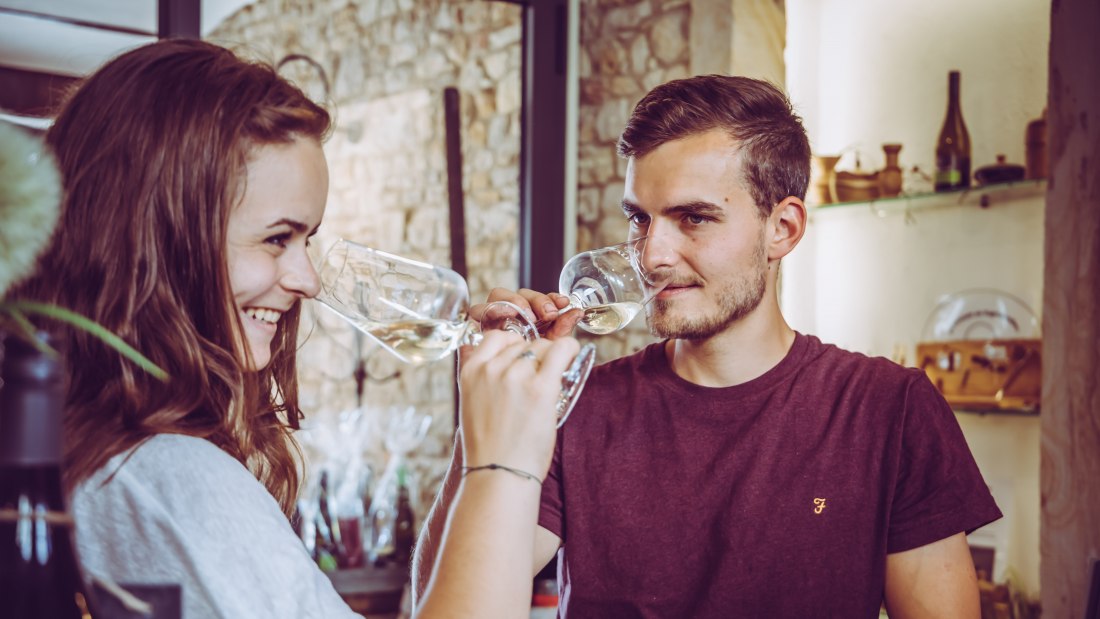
639	219
695	220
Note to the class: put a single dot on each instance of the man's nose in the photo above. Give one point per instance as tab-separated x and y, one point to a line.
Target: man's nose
657	249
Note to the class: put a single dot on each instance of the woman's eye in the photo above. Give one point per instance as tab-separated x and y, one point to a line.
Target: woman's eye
279	240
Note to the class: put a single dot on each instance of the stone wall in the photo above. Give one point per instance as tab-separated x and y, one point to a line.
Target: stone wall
387	63
626	48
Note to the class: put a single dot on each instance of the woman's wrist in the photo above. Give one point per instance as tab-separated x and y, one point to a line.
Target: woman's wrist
495	468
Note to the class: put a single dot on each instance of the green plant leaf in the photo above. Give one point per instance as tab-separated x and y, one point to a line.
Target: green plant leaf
28	329
17	308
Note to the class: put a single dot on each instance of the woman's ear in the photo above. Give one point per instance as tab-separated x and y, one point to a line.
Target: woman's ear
786	225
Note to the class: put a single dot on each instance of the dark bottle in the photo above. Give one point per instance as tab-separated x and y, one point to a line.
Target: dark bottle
328	533
953	145
39	574
404	531
1036	147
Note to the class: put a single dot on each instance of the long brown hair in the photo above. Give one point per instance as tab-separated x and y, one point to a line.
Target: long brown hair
753	112
153	149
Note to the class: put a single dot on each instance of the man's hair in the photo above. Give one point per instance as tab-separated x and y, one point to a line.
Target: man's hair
153	148
757	115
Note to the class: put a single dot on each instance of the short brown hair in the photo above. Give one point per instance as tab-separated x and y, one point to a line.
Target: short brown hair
753	112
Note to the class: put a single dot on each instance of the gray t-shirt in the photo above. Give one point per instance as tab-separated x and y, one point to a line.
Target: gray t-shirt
180	510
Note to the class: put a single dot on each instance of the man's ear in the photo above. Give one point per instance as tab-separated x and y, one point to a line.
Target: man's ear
786	225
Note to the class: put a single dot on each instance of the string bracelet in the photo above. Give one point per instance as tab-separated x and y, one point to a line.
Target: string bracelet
493	467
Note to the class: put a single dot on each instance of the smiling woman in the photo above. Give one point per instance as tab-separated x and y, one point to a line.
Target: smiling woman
193	180
268	232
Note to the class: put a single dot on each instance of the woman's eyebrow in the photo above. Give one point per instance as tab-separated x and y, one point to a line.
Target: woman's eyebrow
294	224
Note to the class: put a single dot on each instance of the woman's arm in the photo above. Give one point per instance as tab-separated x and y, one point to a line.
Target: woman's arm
508	418
431	534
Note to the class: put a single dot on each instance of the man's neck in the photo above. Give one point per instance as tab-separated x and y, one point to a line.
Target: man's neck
745	350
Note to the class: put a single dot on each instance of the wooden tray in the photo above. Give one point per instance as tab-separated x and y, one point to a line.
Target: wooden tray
997	374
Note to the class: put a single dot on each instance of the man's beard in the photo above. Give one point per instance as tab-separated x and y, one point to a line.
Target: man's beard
735	302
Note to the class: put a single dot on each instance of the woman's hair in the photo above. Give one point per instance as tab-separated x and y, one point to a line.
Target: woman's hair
754	113
153	149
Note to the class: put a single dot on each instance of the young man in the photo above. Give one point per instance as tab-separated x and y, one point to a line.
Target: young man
739	468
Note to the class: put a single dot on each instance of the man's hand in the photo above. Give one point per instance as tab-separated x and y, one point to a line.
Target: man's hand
543	309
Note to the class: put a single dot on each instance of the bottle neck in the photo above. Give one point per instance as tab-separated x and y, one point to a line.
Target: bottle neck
952	92
32	401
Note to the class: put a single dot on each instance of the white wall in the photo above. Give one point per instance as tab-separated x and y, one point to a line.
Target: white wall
867	277
866	72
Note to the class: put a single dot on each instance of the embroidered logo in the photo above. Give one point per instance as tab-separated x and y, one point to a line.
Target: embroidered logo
819	506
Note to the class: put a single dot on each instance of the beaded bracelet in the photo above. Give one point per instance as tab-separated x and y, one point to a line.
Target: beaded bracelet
493	467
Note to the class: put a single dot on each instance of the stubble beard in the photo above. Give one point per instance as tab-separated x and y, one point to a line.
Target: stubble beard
734	303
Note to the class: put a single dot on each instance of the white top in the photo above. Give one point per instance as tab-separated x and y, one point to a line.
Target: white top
181	510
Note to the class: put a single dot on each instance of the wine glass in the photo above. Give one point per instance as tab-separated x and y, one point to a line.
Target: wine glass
608	285
418	311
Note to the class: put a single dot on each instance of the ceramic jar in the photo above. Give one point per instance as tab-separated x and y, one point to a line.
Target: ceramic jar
822	188
889	177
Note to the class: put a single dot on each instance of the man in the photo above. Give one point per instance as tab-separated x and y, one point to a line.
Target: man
739	468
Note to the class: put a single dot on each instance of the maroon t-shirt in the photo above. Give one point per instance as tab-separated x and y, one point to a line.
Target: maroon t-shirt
780	497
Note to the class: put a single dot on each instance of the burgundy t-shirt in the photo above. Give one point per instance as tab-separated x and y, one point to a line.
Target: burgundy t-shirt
779	497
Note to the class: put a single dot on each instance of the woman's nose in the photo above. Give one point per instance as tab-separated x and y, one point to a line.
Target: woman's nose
301	277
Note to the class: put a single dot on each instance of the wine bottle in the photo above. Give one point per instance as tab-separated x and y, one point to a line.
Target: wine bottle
404	527
39	574
953	145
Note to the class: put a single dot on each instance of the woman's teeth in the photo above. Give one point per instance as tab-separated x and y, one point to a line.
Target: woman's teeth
263	315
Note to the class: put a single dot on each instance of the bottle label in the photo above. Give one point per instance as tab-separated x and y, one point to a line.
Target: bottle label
950	177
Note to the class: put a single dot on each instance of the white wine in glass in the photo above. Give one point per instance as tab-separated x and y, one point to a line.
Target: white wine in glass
608	285
418	311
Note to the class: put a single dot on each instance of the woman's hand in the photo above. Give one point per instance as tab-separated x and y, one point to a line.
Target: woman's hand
510	390
544	309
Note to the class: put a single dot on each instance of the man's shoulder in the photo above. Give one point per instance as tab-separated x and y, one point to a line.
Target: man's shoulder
845	364
631	363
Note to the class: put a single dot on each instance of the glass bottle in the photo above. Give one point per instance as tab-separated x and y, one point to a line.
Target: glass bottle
404	525
953	144
40	577
1035	142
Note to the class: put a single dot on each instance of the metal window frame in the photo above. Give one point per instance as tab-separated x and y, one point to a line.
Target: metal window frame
543	142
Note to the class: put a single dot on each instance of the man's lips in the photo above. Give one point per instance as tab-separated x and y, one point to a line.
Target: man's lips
673	290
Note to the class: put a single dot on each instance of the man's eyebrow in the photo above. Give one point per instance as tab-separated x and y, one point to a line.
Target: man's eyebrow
696	207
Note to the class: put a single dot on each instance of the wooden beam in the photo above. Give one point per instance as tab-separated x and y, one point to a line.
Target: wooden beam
32	93
179	18
1069	538
543	149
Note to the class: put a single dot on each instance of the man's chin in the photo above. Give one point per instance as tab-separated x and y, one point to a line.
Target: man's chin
663	323
678	329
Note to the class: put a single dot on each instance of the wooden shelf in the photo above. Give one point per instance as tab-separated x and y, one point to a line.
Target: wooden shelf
983	197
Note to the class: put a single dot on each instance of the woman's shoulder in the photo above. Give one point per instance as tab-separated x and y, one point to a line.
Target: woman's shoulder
173	447
168	452
174	468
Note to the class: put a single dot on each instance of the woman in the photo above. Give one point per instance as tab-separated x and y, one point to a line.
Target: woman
193	181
